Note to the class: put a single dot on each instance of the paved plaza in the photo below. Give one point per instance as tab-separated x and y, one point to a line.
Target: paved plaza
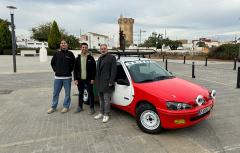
25	127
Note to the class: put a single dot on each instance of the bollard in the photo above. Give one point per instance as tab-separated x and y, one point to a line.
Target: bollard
184	59
166	64
163	57
238	78
235	64
193	70
206	61
43	54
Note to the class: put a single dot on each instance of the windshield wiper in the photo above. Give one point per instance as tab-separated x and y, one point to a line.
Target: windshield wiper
157	78
163	77
147	80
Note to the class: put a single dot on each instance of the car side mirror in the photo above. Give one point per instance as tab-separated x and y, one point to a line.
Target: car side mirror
123	82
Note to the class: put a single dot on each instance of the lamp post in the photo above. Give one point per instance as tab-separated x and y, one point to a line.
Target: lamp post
140	36
160	37
12	8
238	46
155	36
239	50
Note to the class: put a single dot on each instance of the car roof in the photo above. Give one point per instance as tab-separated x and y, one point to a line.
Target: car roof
127	59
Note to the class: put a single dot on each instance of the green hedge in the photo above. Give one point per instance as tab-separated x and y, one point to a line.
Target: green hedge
7	52
50	52
225	52
19	49
93	50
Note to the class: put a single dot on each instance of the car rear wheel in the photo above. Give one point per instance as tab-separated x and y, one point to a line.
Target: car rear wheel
148	119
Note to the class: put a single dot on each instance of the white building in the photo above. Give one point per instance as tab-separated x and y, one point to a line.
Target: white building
94	40
24	43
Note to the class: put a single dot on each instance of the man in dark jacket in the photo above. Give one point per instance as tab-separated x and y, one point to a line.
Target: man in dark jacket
84	76
62	64
106	73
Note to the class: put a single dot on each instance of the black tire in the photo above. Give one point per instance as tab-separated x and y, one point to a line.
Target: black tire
145	112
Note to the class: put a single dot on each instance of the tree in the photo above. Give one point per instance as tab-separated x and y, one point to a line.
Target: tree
151	42
174	44
42	31
5	37
54	36
201	44
5	21
72	41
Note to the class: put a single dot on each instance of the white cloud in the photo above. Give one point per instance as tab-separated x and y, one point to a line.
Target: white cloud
189	19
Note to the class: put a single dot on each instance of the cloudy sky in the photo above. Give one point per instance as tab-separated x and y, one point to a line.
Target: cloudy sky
182	19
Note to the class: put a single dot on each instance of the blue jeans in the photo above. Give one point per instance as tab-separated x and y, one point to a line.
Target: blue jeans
58	84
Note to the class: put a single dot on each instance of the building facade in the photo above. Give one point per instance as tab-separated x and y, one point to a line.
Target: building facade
126	25
94	40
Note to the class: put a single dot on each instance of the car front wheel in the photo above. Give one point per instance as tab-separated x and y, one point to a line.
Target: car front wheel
148	119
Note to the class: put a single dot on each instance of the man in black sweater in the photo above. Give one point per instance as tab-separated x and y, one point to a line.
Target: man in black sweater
62	64
84	76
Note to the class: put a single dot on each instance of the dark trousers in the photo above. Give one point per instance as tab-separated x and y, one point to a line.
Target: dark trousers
84	84
105	103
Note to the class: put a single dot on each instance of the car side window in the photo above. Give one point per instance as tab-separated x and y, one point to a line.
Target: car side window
120	73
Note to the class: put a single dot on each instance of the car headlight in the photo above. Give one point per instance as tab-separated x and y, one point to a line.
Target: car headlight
200	100
213	94
178	106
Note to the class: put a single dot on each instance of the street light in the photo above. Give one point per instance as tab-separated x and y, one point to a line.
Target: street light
155	36
239	46
160	37
140	36
239	50
12	8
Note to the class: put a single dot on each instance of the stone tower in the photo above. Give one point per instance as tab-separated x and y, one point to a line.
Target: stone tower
126	25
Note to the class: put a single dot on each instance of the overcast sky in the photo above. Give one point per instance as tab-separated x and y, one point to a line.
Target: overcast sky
182	19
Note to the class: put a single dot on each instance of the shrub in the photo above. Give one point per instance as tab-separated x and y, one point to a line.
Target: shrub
225	51
93	50
7	52
50	52
19	49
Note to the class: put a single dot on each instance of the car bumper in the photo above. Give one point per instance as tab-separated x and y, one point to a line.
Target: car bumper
180	119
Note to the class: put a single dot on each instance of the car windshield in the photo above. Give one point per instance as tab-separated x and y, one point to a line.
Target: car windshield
147	71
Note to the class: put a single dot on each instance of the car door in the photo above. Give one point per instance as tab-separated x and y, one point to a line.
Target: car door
123	94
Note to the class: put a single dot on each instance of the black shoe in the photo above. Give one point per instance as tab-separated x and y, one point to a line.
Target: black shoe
92	111
78	110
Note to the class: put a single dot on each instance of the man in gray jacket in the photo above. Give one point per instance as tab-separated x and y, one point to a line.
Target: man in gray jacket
106	73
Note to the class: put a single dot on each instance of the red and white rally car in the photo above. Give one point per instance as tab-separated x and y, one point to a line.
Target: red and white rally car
157	98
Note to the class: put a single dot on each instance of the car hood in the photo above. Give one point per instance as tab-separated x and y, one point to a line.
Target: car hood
174	89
